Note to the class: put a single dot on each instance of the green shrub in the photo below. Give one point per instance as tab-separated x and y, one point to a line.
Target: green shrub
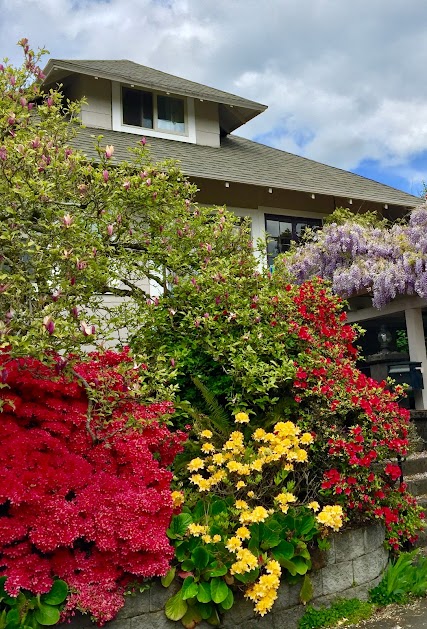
350	611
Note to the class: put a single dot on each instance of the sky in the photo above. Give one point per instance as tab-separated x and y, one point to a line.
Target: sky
344	80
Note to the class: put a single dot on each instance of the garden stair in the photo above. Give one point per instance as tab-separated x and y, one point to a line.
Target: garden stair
415	475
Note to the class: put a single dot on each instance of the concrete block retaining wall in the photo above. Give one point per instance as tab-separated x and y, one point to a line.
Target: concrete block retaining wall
354	564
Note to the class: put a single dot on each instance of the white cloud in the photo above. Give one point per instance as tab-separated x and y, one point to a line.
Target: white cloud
344	81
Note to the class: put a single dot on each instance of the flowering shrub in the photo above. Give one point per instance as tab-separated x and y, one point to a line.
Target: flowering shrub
249	526
84	491
387	260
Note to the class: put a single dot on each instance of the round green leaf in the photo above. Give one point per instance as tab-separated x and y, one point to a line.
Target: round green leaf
201	557
229	601
179	525
47	615
189	588
57	594
176	607
219	590
204	593
168	578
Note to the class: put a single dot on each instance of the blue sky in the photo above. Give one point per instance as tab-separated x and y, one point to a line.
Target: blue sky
343	81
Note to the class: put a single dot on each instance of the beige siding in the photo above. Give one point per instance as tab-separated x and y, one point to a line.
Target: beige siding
207	123
97	110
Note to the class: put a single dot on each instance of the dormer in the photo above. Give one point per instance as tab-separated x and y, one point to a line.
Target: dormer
128	97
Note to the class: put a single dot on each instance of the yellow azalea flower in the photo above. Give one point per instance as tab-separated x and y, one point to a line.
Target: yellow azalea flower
177	499
306	438
206	434
208	447
331	516
211	468
196	478
205	484
243	554
257	465
251	494
216	539
314	505
259	514
207	539
197	529
234	466
218	458
244	470
285	497
196	464
273	567
241	504
259	434
218	476
301	455
243	532
241	418
233	544
288	467
240	484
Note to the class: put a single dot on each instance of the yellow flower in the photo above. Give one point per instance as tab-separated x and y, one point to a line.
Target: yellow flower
241	504
197	529
257	465
208	447
314	505
259	514
207	539
306	438
216	539
273	567
251	494
285	497
177	499
195	464
331	516
206	434
241	418
259	434
234	466
240	484
233	544
243	532
205	484
218	458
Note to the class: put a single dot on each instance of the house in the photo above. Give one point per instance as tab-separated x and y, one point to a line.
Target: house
282	193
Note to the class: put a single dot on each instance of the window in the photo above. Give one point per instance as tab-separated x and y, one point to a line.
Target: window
153	111
284	229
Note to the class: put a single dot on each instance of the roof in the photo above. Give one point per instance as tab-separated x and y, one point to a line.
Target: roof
243	161
142	76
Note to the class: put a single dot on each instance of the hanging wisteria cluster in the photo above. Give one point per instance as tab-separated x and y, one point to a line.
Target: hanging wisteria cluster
385	261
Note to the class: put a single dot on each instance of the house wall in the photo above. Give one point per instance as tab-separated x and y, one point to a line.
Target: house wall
96	112
207	123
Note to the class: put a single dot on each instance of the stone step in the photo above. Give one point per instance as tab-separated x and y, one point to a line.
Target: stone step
415	464
417	484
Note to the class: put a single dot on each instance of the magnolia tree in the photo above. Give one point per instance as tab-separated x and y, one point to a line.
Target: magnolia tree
361	255
73	230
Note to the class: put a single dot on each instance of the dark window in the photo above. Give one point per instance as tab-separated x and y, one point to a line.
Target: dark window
137	108
282	230
170	114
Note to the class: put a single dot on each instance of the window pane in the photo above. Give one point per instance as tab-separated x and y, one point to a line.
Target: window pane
137	108
272	227
170	114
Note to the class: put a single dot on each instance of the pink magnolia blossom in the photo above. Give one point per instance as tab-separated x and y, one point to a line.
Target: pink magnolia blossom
49	324
67	220
143	141
87	329
106	175
109	150
110	230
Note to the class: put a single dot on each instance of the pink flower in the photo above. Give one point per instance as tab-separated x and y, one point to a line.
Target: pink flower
110	230
49	101
23	101
30	106
3	153
35	143
11	119
49	324
143	141
109	150
148	182
12	80
56	295
87	329
67	220
106	175
126	185
75	312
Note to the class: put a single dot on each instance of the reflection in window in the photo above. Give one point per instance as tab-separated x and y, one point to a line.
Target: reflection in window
151	111
170	114
282	230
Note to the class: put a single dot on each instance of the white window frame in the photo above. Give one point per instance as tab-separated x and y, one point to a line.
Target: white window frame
117	116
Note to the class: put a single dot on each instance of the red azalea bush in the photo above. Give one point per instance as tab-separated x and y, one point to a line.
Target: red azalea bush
84	491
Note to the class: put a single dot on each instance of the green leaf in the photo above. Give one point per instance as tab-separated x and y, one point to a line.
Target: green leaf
201	557
219	590
176	607
216	570
47	615
205	609
179	525
204	593
218	506
191	618
284	549
214	619
187	565
199	510
168	578
57	594
229	601
306	592
269	539
189	588
301	566
248	577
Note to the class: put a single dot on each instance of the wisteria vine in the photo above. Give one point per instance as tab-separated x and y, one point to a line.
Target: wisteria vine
385	261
